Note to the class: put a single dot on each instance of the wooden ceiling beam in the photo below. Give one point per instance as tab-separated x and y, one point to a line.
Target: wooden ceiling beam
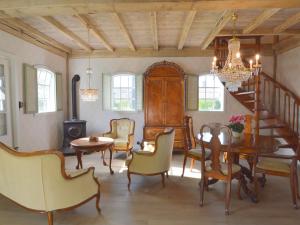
67	7
162	52
291	21
259	32
186	28
17	32
86	22
264	16
154	29
287	44
36	33
65	31
221	22
124	31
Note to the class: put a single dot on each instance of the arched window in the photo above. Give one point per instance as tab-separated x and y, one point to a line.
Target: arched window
211	93
46	90
123	92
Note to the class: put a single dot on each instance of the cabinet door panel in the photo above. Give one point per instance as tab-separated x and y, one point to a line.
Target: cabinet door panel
174	108
154	100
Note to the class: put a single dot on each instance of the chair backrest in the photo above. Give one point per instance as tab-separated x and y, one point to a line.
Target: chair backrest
25	178
215	145
190	137
164	144
121	128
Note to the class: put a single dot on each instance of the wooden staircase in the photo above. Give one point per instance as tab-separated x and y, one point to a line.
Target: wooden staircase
275	108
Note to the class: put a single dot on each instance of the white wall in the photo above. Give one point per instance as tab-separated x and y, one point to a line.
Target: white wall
98	120
288	70
40	131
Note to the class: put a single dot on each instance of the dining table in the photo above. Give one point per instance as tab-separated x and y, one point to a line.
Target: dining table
248	144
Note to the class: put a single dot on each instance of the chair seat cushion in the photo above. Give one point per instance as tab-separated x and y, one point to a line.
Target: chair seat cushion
224	168
197	152
149	146
120	143
277	165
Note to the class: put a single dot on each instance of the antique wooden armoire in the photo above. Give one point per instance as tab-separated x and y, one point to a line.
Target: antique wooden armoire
164	101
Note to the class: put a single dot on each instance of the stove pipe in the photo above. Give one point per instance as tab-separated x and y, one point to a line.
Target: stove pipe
75	79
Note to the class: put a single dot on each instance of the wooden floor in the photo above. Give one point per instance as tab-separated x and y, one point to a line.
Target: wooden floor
150	204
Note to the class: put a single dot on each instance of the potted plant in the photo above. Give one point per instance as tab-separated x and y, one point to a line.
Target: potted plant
236	124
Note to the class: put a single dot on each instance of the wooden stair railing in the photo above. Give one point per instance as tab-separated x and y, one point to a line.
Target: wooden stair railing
274	105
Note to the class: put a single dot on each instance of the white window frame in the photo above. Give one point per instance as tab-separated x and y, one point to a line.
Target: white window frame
214	87
123	74
52	88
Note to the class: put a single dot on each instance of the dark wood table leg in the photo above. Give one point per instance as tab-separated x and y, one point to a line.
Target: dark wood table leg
110	158
79	161
247	172
251	194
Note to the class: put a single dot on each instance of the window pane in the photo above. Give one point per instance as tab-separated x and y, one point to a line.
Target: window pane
211	93
46	90
123	93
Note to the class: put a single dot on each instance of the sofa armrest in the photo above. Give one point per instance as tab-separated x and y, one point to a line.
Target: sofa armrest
76	173
71	191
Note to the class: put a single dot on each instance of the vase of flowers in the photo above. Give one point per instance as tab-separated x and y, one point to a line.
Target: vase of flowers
236	124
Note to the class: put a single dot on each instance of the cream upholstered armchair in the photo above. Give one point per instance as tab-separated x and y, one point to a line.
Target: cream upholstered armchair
153	163
122	131
38	181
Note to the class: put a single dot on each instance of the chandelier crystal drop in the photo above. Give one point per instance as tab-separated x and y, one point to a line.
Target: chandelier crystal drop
89	94
234	72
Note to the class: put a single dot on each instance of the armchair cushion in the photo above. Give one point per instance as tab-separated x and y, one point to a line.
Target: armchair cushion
224	168
120	143
277	165
197	152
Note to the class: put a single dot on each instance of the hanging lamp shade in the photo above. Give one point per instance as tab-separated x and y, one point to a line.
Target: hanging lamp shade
89	94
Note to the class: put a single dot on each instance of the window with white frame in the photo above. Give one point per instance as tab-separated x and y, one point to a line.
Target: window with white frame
46	90
123	88
211	93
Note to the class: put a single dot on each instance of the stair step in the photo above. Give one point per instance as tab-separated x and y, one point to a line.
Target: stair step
266	115
250	101
271	126
244	93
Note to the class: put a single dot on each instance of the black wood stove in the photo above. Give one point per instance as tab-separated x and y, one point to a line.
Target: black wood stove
73	128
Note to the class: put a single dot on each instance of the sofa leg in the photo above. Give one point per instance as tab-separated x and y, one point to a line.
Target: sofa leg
50	218
129	180
98	202
163	179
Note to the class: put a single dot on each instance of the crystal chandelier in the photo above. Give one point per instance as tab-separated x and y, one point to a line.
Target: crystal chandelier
89	94
234	72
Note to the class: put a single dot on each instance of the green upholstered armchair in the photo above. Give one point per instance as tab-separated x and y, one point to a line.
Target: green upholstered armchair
38	181
122	131
153	163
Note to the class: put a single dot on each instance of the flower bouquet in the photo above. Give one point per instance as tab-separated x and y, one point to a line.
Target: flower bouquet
236	124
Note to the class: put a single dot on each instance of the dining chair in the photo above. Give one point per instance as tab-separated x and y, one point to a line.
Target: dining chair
279	164
191	150
215	169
